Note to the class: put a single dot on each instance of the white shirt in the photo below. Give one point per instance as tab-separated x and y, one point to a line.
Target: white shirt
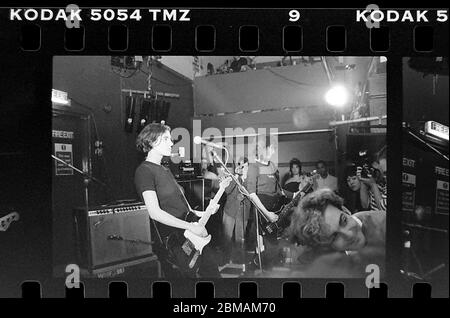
329	182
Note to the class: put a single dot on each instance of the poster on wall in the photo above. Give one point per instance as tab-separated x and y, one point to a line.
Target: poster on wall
63	152
441	197
408	193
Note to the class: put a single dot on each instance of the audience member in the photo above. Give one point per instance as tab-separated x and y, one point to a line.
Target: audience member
324	179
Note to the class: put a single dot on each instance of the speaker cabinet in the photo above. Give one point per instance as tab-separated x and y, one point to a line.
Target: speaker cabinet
194	191
112	235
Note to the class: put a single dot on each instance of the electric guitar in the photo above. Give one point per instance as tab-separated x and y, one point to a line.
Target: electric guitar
275	229
6	221
187	251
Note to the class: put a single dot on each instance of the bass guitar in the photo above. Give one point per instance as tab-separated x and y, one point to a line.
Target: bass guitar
187	250
276	229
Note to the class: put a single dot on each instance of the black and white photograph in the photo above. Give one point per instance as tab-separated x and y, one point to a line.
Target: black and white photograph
425	182
219	166
223	159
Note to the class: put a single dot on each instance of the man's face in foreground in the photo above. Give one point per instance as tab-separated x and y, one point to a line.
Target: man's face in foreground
344	232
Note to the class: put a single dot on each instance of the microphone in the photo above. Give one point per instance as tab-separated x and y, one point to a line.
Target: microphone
198	140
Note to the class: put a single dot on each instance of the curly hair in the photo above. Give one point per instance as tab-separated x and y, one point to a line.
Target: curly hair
149	135
297	162
307	222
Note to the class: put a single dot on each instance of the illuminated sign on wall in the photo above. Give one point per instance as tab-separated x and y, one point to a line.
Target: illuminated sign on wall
60	97
437	130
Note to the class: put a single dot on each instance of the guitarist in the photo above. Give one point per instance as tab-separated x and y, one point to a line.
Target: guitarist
236	213
166	204
267	194
262	184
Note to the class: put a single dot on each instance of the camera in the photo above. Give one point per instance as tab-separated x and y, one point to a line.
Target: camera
365	163
368	172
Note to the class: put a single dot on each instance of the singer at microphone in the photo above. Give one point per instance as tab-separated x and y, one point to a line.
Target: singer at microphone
166	205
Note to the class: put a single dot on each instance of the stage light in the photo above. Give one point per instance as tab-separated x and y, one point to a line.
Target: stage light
337	96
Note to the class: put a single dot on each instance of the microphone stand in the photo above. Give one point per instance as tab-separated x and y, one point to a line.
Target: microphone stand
247	194
86	179
408	249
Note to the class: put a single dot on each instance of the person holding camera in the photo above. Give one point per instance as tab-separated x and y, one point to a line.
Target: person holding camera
351	193
373	191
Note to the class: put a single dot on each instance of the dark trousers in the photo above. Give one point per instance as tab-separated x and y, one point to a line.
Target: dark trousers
209	263
272	203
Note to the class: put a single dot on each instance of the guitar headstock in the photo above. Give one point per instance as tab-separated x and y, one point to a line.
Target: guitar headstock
313	174
6	221
305	180
310	176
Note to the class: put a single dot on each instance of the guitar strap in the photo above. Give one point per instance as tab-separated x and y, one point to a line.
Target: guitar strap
157	232
185	200
279	186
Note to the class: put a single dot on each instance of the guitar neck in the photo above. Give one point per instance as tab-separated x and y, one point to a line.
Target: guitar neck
291	204
204	219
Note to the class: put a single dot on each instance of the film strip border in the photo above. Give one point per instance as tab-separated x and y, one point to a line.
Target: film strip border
230	31
247	290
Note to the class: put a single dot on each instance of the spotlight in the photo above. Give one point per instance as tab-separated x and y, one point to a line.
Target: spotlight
337	96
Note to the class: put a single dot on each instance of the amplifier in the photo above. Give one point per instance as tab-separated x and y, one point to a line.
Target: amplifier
112	234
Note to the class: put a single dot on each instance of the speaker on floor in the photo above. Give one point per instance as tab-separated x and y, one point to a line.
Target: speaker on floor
112	235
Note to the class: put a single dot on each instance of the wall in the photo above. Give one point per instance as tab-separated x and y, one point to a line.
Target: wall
302	86
419	100
90	81
184	64
426	97
261	89
272	89
181	64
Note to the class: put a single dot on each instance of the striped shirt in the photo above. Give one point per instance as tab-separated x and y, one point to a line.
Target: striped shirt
373	202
